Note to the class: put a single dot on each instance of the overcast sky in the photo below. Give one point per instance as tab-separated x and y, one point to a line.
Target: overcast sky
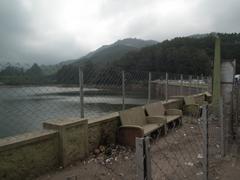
50	31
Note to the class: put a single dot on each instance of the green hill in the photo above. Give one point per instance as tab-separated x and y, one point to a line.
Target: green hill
103	55
189	55
115	51
184	55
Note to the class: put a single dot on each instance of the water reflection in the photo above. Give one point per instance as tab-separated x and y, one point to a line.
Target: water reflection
23	109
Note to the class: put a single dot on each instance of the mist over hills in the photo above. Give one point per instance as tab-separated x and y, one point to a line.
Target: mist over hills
109	53
104	54
186	55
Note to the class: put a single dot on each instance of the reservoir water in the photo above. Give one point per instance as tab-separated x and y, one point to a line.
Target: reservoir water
24	109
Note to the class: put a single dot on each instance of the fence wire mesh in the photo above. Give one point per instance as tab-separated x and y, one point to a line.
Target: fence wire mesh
214	146
31	95
179	154
236	108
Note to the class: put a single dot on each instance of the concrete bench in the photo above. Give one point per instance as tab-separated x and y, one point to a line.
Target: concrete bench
136	124
208	97
191	107
172	116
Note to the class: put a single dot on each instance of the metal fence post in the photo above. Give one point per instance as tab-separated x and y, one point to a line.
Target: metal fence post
209	83
202	81
149	86
140	158
143	159
222	127
198	85
148	159
81	85
190	85
181	85
123	90
236	90
205	142
166	88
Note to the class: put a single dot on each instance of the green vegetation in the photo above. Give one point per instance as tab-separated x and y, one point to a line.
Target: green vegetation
15	75
186	55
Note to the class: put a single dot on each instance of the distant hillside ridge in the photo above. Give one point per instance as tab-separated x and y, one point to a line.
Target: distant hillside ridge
131	43
188	55
106	53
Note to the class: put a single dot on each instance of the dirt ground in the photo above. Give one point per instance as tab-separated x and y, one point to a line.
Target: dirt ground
117	166
177	155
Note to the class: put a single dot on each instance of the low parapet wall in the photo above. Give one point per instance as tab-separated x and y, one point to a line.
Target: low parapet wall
61	143
103	130
28	155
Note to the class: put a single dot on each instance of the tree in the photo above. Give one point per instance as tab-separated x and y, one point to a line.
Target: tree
34	71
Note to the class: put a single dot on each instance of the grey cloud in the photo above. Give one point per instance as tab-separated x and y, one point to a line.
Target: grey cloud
222	15
24	31
17	31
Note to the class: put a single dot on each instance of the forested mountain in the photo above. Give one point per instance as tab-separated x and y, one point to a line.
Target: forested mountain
113	52
110	54
120	46
186	55
104	54
180	55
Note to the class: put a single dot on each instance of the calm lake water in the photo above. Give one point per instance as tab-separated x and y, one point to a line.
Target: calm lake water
24	109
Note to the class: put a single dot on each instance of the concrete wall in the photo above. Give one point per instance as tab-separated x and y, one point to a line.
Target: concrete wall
73	138
28	155
103	130
158	90
62	142
173	104
199	98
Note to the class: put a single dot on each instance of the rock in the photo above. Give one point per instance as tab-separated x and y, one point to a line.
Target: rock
108	160
90	160
102	148
108	151
188	163
199	156
96	151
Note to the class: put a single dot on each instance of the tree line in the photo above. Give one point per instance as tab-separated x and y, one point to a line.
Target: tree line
183	55
16	75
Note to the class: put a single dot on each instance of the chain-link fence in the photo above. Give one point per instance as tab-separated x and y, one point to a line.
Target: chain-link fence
236	106
29	96
180	154
192	150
